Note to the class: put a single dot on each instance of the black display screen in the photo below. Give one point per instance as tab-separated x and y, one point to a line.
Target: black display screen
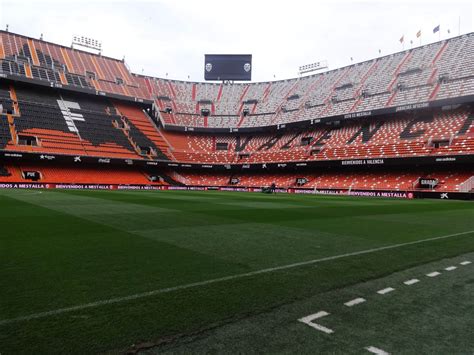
428	182
228	67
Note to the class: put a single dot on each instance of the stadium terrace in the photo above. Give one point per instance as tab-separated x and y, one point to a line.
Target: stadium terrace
66	112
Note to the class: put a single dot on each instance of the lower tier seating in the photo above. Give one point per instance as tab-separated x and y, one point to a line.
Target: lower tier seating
394	180
5	135
74	175
66	123
143	130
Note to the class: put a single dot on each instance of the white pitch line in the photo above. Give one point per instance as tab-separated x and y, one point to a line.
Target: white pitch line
217	280
354	302
465	262
433	274
385	290
377	351
451	268
308	320
411	282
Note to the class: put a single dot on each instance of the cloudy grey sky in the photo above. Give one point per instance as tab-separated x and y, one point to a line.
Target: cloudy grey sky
166	36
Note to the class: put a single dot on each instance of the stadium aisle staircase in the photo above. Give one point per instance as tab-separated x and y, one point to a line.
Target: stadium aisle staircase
144	124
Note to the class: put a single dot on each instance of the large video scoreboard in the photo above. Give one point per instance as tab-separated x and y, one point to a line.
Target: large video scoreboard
228	67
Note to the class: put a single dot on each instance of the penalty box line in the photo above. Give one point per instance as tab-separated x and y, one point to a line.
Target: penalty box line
217	280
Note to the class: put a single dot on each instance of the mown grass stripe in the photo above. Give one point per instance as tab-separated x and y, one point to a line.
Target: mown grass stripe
218	280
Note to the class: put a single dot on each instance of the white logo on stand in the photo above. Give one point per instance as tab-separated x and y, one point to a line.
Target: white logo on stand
247	67
444	195
70	117
208	67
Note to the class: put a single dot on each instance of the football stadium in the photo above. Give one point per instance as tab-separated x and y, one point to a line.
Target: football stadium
329	212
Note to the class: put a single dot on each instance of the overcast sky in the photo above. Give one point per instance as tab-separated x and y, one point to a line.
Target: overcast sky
166	36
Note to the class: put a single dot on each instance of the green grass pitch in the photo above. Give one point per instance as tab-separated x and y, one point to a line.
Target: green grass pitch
199	272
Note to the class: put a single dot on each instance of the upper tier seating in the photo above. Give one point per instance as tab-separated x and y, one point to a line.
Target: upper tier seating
439	70
47	61
435	71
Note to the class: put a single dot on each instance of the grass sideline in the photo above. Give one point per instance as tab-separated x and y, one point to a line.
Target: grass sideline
66	248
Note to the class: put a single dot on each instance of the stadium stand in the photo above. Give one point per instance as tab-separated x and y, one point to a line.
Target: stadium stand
407	105
5	136
400	136
67	123
60	174
143	130
436	71
380	180
50	62
5	98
